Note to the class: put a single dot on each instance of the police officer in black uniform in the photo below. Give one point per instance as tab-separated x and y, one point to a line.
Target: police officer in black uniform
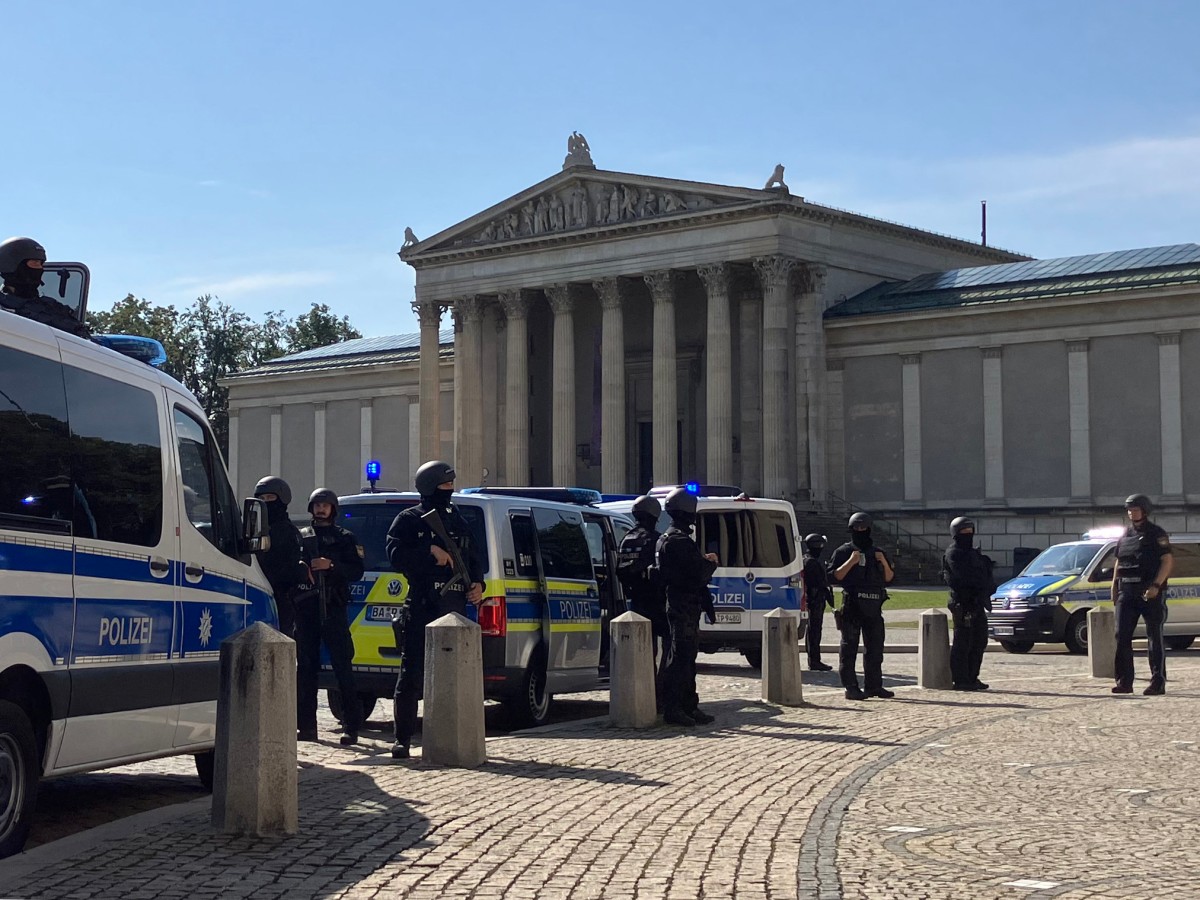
21	263
421	557
283	562
969	575
818	594
685	572
640	579
335	561
863	571
1139	588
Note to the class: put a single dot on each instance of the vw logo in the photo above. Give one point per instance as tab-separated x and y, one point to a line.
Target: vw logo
394	587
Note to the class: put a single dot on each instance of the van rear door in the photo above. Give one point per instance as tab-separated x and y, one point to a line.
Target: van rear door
571	617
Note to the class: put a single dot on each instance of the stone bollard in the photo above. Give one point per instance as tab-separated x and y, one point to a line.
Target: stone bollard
1102	641
631	701
781	680
254	781
452	724
933	651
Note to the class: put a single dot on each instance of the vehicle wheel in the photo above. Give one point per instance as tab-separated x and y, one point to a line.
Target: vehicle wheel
753	657
205	766
1017	646
1076	636
334	698
19	773
1179	641
531	705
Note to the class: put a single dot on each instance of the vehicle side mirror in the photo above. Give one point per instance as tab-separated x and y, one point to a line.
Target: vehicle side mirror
254	525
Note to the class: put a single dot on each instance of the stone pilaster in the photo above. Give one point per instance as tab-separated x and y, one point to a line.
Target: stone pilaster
232	458
366	415
468	441
430	317
562	302
775	274
319	444
665	405
277	441
911	387
516	423
835	434
810	382
750	319
1171	417
612	387
993	426
1080	422
719	376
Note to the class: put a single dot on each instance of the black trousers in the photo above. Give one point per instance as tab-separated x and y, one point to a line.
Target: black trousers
679	679
969	644
1130	606
865	619
410	685
660	631
334	631
812	637
287	612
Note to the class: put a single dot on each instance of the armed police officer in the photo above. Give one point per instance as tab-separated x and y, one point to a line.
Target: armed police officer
22	261
685	572
969	576
426	558
863	571
1139	589
643	586
818	594
283	562
335	561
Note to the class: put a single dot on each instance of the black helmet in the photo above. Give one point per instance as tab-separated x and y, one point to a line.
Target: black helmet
1141	501
860	520
431	474
273	484
16	250
960	524
647	506
816	542
323	495
681	500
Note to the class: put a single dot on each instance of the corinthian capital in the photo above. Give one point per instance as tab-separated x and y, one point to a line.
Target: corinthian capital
812	278
715	278
662	286
471	308
428	313
560	297
774	271
609	291
515	304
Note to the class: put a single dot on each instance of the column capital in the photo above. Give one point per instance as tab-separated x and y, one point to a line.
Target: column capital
812	277
662	286
560	297
993	352
515	304
774	271
428	312
471	308
610	292
715	277
1167	338
910	359
1080	346
456	317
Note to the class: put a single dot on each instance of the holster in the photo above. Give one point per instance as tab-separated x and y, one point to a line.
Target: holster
838	615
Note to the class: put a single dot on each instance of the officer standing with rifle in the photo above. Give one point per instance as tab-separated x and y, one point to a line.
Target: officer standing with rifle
1139	590
335	561
818	595
431	546
282	562
969	576
640	579
863	571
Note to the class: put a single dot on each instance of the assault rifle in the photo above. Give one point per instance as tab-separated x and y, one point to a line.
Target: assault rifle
462	574
312	550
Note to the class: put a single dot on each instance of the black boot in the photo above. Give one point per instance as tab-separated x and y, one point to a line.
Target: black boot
400	750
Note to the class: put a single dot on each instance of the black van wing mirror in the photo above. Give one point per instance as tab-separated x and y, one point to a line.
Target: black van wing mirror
255	534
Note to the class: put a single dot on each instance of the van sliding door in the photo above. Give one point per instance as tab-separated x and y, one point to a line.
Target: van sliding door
568	583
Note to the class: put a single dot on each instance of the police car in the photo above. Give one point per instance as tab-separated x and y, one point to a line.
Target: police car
123	564
757	543
550	590
1049	601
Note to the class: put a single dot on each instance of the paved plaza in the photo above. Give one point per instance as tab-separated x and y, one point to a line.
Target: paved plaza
1046	786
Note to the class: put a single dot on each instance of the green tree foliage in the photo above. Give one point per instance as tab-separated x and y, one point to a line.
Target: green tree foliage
210	340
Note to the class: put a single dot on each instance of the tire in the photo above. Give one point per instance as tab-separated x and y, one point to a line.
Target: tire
753	657
19	774
206	764
530	706
1179	641
1017	646
334	698
1076	636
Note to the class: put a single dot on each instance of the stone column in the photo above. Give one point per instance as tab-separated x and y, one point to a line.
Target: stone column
835	435
456	429
562	302
366	411
750	390
1171	417
719	376
231	459
775	274
612	387
810	383
468	441
664	372
430	317
1080	422
516	424
319	445
993	427
911	385
277	441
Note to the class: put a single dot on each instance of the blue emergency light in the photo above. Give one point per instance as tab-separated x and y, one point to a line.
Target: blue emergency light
373	471
692	487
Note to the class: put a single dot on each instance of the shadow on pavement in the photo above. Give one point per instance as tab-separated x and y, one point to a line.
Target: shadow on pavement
517	768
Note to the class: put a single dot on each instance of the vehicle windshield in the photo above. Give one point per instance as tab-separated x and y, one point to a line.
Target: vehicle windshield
1063	559
370	523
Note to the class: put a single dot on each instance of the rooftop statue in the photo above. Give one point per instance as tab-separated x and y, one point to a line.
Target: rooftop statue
776	180
578	152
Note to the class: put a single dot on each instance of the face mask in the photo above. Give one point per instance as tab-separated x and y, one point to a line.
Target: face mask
25	281
861	539
683	519
441	497
964	541
276	511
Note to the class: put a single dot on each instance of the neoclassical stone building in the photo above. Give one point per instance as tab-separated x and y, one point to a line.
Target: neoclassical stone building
614	330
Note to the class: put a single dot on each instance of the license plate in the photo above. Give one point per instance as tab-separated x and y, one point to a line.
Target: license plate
729	618
380	613
1002	630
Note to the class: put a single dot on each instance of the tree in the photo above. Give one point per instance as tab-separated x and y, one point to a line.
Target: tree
319	327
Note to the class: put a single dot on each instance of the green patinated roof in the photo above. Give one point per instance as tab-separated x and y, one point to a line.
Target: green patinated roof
1097	273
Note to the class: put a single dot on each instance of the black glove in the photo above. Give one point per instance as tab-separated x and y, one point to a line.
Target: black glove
710	618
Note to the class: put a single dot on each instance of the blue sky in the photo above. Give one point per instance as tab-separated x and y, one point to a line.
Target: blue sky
272	153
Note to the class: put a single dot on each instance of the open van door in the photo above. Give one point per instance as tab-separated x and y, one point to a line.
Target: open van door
571	622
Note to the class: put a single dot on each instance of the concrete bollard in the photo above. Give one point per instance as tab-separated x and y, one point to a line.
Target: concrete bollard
781	679
1102	641
631	701
933	651
254	780
452	725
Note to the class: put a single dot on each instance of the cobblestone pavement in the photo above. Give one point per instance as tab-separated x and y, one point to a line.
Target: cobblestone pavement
1046	786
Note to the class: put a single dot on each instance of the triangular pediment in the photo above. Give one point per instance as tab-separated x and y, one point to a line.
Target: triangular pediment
586	200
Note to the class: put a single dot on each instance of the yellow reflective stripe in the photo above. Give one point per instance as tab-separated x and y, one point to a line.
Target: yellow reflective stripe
524	626
1058	585
572	626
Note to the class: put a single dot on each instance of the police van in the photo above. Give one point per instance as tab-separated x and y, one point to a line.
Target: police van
123	565
1049	601
757	543
550	590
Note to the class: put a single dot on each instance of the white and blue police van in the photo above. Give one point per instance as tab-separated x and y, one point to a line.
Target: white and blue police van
757	543
123	564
